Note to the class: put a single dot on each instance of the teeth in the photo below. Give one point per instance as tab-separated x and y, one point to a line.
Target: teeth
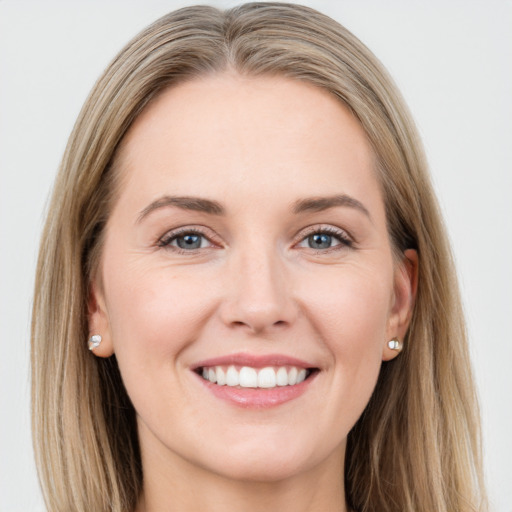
221	376
282	377
232	377
247	377
267	378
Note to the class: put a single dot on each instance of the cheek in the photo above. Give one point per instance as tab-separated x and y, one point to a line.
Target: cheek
153	312
350	311
351	307
155	315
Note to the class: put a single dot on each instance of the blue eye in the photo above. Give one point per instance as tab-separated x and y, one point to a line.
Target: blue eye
324	239
320	241
189	241
186	241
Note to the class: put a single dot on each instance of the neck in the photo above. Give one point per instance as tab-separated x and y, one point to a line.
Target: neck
175	485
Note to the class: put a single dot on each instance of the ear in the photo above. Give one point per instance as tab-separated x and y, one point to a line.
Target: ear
404	295
98	320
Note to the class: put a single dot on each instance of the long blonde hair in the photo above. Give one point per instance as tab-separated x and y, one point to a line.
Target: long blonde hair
416	447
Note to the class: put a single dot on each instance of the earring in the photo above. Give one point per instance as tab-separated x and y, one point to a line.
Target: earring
94	341
395	344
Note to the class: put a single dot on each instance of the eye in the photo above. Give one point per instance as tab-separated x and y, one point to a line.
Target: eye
185	240
325	238
189	241
321	241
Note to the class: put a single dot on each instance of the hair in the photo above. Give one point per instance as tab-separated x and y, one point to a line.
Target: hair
417	446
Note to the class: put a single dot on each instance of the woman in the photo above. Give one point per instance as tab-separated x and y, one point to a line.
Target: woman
244	235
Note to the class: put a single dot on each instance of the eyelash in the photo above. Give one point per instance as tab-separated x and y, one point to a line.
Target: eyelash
166	240
345	241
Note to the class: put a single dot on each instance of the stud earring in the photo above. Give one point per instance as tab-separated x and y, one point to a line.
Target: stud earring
94	341
395	345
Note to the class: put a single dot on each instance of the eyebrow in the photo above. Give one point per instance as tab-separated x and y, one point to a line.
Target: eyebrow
196	204
318	204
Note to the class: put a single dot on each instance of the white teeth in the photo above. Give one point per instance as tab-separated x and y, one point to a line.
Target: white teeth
292	376
232	378
282	377
221	376
247	377
267	378
301	375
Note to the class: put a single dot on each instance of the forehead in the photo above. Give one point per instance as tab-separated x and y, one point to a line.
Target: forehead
252	134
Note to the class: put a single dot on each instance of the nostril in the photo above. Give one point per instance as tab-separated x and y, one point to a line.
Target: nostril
257	326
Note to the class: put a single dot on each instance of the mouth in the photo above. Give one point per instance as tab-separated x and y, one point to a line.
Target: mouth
245	376
267	377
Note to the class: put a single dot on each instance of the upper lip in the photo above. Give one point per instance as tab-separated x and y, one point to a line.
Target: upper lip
254	361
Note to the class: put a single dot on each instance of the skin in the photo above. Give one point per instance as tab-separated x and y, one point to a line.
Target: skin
256	146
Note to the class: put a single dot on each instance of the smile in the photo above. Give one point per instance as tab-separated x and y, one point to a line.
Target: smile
256	380
249	377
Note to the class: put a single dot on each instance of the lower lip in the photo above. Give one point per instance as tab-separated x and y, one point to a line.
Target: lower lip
258	397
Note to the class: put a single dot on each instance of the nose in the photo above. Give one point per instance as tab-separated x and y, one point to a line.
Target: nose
258	294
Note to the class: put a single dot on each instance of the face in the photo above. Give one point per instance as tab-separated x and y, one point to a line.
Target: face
247	284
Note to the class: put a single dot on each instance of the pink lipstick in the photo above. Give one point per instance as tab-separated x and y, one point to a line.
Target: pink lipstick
259	381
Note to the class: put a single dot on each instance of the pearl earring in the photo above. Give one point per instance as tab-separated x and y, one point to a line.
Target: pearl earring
94	341
395	345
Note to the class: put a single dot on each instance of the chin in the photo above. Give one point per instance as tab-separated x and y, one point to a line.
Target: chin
262	470
268	460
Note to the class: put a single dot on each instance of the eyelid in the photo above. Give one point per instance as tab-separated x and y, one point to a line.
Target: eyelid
324	228
345	238
165	240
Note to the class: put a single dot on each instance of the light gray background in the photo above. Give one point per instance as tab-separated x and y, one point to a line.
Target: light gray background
452	60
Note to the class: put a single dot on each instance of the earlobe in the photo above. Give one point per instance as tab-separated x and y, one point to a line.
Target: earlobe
94	341
99	340
405	287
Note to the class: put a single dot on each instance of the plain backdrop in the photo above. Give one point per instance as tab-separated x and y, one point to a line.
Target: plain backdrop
452	59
